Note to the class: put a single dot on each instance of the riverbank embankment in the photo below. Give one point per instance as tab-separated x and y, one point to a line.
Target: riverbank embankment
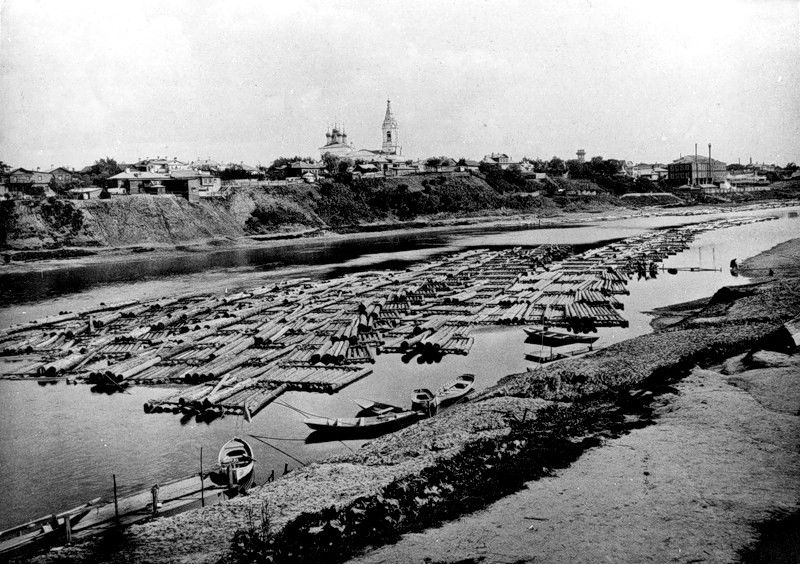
529	427
51	235
714	479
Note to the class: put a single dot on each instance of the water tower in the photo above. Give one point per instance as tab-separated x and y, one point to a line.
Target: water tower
581	155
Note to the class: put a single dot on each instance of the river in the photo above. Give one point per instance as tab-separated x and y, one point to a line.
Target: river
60	445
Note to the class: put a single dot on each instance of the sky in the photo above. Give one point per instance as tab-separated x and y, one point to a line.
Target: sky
254	80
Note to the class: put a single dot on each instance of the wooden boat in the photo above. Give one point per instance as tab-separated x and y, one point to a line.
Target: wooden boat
376	407
43	528
361	426
425	401
551	338
236	465
456	389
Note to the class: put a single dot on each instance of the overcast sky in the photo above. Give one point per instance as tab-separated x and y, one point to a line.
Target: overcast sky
250	81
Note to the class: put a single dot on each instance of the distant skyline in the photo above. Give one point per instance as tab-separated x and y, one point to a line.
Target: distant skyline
251	81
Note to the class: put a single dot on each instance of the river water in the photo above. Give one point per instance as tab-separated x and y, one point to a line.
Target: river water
60	445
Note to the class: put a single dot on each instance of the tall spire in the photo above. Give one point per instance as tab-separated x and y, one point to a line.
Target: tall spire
388	120
390	145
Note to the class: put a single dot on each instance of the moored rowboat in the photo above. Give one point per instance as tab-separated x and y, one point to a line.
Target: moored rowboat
361	426
236	465
456	389
425	402
376	407
552	338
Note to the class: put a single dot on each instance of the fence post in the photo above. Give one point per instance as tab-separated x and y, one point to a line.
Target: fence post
154	491
68	529
116	504
202	488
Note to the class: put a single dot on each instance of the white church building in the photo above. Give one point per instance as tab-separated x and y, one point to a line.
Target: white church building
336	142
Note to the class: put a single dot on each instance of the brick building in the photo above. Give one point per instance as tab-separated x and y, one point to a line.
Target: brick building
694	170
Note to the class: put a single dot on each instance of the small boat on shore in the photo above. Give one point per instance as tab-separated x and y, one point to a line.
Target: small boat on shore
551	338
425	402
377	408
456	389
43	528
236	465
361	426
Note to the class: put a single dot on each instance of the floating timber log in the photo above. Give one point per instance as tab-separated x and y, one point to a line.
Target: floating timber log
237	351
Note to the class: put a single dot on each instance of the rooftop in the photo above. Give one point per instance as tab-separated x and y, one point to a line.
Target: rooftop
137	175
689	159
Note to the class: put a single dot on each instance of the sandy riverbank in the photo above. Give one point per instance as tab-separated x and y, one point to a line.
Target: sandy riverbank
687	489
716	478
99	255
527	428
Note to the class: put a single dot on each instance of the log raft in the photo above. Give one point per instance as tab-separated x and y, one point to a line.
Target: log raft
236	353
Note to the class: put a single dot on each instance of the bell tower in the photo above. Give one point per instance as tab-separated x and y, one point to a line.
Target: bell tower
390	144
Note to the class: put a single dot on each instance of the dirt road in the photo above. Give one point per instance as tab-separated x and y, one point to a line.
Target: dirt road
687	489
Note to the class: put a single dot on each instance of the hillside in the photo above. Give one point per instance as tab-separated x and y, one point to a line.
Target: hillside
166	220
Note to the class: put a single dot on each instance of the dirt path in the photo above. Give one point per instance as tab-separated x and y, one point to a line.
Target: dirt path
687	489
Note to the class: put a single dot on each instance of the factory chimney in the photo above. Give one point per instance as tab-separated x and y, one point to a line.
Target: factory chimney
710	177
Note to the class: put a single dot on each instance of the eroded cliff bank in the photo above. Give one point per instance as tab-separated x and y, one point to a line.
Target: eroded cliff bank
144	220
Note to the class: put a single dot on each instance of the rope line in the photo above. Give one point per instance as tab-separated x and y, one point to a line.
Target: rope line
298	410
300	462
278	438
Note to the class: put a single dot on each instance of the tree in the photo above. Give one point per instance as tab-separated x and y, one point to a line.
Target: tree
513	175
63	188
576	169
331	163
614	166
102	169
538	164
236	172
643	184
345	164
433	162
488	168
556	166
277	171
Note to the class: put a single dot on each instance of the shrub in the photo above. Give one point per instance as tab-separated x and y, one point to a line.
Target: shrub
8	220
341	205
62	214
274	215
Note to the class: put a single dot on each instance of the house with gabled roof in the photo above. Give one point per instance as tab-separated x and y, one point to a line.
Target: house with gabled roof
500	159
160	165
30	182
192	184
63	175
138	182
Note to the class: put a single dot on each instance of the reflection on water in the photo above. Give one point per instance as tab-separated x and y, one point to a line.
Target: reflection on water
61	444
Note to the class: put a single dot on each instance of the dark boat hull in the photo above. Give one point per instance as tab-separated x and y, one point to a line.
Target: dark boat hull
346	428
